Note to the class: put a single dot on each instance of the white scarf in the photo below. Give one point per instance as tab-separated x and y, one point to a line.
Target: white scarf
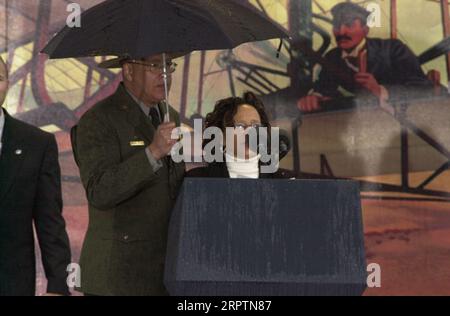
242	168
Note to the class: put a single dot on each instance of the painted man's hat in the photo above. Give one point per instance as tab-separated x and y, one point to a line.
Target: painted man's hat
347	12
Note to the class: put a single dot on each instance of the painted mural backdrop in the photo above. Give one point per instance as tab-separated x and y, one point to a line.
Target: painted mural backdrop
402	162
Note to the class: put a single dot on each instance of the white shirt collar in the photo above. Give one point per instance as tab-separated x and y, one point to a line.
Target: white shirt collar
2	125
2	122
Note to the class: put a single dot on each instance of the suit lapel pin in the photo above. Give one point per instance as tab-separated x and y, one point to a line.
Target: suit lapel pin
18	152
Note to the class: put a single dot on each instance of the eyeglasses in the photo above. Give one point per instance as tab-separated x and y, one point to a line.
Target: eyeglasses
156	67
243	127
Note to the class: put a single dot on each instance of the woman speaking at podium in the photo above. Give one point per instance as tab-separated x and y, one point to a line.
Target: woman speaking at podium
242	114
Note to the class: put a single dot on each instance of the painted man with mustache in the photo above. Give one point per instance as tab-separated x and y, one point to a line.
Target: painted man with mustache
383	68
121	147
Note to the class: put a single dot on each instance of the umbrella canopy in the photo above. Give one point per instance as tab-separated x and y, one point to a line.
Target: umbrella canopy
140	28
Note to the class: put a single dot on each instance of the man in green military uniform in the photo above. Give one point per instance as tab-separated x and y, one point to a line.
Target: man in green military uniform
122	147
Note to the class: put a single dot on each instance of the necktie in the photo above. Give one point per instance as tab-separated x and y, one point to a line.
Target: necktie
154	116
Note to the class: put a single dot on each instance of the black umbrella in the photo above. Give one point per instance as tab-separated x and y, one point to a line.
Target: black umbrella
140	28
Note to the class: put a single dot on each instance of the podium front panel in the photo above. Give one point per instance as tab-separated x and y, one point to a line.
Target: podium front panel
266	237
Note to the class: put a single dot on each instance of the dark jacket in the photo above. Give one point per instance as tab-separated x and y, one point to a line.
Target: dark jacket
30	191
129	204
219	170
390	61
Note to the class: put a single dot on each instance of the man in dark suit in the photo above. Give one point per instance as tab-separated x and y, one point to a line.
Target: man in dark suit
30	191
131	184
365	67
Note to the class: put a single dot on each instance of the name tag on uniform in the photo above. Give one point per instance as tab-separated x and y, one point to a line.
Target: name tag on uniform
137	143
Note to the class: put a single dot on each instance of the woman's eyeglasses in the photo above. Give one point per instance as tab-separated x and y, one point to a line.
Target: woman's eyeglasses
243	127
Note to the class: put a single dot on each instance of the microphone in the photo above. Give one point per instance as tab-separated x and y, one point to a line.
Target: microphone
285	143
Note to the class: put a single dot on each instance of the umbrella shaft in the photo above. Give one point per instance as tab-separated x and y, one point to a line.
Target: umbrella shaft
166	88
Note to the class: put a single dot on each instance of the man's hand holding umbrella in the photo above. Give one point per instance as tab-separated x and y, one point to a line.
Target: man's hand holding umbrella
162	142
